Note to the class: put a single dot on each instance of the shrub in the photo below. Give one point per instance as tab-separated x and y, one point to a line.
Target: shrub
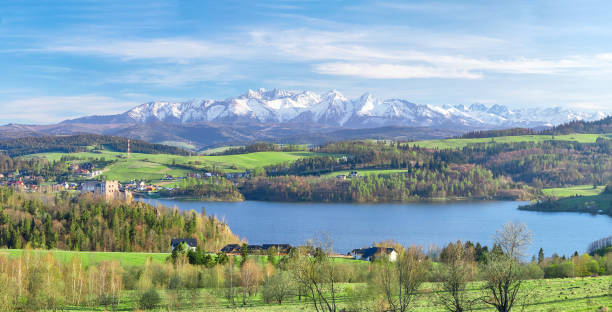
149	300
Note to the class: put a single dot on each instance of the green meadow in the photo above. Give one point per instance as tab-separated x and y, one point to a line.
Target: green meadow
460	143
568	294
94	257
365	172
580	190
156	166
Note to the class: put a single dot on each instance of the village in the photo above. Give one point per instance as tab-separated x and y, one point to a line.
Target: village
80	174
366	254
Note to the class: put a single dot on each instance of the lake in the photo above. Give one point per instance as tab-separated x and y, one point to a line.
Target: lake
353	225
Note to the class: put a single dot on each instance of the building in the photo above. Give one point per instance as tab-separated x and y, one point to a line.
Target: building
232	249
108	190
373	253
191	243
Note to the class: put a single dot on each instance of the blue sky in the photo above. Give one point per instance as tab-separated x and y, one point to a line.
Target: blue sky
63	59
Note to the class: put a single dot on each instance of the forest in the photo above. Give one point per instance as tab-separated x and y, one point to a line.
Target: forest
73	222
82	143
501	170
577	126
212	189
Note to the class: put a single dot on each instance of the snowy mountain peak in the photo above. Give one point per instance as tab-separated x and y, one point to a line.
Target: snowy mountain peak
334	109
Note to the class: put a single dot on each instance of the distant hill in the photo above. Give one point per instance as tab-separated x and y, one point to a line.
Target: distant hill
580	126
81	143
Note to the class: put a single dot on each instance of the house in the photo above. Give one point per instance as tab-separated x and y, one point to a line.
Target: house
372	253
354	174
232	249
341	177
191	243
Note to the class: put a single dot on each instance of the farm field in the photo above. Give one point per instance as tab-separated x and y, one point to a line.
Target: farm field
580	190
94	257
365	172
156	166
569	294
587	203
460	143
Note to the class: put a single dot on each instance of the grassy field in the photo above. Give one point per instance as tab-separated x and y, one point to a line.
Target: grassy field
460	143
156	166
588	203
365	172
581	190
599	204
91	257
570	294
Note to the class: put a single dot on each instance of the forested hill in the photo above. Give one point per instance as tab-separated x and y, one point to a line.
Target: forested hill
72	222
578	126
600	126
82	143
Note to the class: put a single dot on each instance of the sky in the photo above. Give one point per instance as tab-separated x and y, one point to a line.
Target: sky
65	59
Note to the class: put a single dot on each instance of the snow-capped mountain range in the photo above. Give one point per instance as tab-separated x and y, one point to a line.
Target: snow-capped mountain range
334	109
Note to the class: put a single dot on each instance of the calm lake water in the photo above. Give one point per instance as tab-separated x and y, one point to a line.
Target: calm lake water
357	225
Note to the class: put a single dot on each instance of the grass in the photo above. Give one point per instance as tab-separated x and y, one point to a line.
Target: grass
569	294
580	190
365	172
156	166
599	204
592	203
460	143
255	160
94	257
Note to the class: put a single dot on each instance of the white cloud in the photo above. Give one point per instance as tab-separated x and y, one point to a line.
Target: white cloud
171	49
178	75
390	71
50	109
367	53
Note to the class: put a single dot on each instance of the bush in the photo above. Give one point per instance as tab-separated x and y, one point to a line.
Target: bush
149	300
533	271
278	288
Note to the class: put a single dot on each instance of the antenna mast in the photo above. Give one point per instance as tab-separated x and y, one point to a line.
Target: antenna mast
128	149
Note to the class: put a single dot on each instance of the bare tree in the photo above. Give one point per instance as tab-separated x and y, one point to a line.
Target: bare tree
457	270
503	276
230	293
513	238
315	271
399	281
250	277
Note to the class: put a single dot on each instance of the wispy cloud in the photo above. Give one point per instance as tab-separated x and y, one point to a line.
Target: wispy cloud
390	71
50	109
179	75
169	49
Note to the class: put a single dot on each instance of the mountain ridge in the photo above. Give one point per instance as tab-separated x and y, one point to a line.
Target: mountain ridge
334	109
300	117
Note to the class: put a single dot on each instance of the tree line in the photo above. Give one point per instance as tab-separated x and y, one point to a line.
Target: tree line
85	223
82	143
462	276
413	184
212	188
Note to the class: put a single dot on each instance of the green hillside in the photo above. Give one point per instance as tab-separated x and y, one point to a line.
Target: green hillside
156	166
460	143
